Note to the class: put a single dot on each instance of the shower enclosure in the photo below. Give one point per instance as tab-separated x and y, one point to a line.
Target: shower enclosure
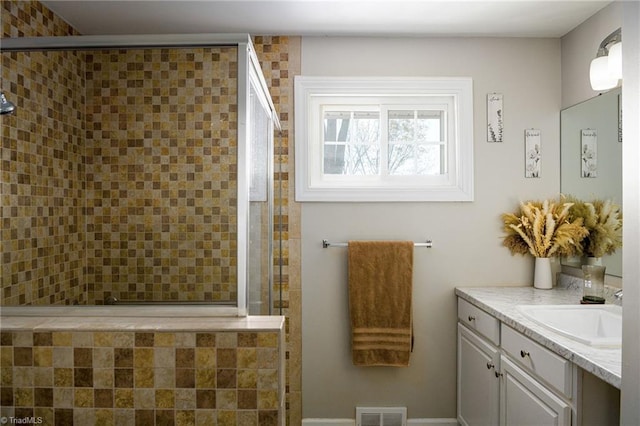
137	169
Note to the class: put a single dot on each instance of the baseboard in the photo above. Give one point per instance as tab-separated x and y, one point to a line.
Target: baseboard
350	422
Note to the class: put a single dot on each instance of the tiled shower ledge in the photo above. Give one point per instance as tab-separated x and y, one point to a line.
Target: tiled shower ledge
501	302
165	318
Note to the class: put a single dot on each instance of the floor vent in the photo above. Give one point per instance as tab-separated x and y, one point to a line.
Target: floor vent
381	416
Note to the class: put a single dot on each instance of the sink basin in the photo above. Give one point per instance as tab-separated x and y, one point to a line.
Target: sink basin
595	325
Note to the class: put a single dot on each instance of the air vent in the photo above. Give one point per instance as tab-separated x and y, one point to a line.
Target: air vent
381	416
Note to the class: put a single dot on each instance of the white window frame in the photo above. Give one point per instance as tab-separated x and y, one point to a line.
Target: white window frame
313	94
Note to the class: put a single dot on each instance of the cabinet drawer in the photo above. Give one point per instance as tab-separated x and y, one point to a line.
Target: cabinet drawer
477	319
527	401
548	366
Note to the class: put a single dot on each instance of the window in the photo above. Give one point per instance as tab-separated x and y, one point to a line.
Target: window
384	139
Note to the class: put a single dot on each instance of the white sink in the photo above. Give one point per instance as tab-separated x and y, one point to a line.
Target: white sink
595	325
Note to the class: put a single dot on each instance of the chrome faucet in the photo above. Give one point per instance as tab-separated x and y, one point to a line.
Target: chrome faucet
618	294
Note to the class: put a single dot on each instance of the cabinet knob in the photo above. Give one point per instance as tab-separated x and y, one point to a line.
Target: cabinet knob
472	318
524	354
490	365
498	375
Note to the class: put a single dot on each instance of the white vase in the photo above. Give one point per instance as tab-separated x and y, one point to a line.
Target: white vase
542	277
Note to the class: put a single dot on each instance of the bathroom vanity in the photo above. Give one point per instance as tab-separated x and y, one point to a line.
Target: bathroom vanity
512	370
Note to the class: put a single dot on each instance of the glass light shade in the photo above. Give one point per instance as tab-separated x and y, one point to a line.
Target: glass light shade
615	60
599	74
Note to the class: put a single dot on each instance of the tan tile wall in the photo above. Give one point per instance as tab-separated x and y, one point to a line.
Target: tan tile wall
140	378
161	174
42	165
22	18
280	60
273	54
152	182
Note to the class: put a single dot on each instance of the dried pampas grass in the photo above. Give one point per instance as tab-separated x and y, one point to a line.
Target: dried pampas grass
543	229
603	220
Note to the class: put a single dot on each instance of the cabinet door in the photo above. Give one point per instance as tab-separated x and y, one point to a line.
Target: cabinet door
478	386
524	401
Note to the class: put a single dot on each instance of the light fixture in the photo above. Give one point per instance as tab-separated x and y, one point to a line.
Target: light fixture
615	60
606	68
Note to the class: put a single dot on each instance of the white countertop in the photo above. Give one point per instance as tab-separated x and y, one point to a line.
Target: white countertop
501	302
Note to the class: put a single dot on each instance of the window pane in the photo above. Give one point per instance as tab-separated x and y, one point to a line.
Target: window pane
401	127
402	160
416	142
351	143
430	160
336	126
415	126
406	160
351	160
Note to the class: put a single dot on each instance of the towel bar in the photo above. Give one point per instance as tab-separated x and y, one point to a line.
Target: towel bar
327	244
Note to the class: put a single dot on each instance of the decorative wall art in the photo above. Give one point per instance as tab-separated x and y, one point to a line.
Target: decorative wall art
533	153
589	152
495	125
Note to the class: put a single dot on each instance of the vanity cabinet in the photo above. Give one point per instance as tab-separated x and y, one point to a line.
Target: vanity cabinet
478	380
478	365
507	378
504	378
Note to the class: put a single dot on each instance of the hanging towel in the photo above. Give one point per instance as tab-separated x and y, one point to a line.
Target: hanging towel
380	287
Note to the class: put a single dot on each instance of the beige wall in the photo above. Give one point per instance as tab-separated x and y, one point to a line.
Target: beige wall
467	247
579	47
630	414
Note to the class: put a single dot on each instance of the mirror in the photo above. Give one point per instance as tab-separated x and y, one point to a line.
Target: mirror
594	124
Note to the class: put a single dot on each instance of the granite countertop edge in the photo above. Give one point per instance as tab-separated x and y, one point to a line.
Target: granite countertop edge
132	319
604	363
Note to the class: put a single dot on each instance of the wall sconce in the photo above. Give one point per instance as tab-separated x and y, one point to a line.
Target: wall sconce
606	68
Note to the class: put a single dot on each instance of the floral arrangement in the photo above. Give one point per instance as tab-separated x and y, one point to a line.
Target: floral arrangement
544	229
603	220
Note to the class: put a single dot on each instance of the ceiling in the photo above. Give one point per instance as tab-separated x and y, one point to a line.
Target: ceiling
505	18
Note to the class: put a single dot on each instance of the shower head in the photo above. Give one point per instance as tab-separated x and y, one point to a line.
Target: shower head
6	107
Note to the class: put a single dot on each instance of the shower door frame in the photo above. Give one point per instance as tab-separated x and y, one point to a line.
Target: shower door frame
248	70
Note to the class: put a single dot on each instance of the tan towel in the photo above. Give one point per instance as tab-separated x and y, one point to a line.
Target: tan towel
380	283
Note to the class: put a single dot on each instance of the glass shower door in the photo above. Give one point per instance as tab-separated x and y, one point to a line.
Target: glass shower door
260	255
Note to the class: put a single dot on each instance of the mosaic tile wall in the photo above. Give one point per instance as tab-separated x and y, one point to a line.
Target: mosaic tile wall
272	52
22	18
41	166
140	378
280	60
161	174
